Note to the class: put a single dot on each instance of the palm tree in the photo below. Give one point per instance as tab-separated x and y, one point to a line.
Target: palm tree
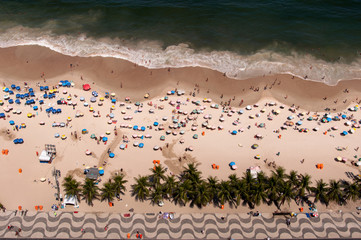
72	187
224	193
273	188
107	191
170	185
321	191
246	187
292	178
279	174
119	184
202	196
140	188
158	173
90	191
235	188
191	172
180	194
335	192
351	191
287	193
304	185
258	194
213	185
157	194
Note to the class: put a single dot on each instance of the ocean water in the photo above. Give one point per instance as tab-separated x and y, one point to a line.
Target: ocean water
317	39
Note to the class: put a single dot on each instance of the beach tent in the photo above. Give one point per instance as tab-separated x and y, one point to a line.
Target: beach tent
86	87
44	157
70	200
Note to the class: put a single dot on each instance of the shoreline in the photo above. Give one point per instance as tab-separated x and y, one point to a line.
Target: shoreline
27	64
110	72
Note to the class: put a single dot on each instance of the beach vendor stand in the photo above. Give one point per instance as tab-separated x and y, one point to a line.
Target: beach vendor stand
48	154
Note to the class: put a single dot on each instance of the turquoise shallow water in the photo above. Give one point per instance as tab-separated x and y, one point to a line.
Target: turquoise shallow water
321	39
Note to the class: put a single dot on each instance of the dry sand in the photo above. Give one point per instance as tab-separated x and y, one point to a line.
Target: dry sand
28	63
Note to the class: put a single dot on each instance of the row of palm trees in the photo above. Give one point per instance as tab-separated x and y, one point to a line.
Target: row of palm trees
89	190
278	188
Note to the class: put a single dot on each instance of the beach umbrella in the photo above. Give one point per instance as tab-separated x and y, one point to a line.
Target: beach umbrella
299	123
234	132
162	137
111	155
11	122
155	124
29	115
111	115
135	127
348	123
105	139
63	137
343	116
93	99
107	132
310	118
182	132
257	156
141	145
248	107
135	144
344	133
232	163
122	146
195	136
290	117
254	146
142	128
92	136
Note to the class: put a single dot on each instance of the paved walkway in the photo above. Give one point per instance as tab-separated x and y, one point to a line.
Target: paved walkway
185	226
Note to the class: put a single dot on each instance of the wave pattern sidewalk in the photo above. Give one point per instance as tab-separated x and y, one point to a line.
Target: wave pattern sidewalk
185	226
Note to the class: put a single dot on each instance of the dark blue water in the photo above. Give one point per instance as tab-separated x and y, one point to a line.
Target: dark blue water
202	33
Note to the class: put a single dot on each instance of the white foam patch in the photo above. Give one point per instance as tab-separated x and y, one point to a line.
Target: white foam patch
152	55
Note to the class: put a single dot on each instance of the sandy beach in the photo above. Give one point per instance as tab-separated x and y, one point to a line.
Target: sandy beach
272	100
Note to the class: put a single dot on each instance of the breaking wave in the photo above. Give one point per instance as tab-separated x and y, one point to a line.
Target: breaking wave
151	54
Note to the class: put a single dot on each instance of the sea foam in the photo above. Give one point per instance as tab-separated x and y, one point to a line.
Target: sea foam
151	54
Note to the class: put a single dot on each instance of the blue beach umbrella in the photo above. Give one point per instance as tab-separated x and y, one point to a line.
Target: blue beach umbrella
101	172
105	139
155	124
11	122
31	90
343	116
6	90
11	92
17	101
18	88
13	86
344	133
142	128
234	132
18	95
35	108
141	145
232	164
135	127
114	100
111	155
11	101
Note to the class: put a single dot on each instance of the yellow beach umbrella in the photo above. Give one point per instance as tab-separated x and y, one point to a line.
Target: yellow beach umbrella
29	115
113	107
69	98
63	137
101	99
91	109
69	118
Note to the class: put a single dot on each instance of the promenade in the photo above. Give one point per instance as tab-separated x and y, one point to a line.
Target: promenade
183	226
